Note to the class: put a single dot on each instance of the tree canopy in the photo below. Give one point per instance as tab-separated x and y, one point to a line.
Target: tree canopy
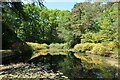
87	22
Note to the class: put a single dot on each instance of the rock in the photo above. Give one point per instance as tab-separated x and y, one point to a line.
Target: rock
27	67
61	73
64	77
51	77
25	70
1	65
57	74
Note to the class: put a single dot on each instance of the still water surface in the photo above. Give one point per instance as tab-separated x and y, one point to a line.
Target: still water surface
78	65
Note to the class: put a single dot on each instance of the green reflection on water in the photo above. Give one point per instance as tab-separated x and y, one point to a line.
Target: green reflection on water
78	66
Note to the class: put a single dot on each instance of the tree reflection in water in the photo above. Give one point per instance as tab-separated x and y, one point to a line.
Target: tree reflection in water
78	67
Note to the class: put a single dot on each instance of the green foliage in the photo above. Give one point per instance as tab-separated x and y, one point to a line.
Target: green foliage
87	38
112	45
83	23
37	46
97	37
41	26
104	49
80	25
83	47
58	46
78	47
88	46
99	49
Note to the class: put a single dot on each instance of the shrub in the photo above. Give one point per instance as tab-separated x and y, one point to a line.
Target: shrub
94	38
105	49
112	45
87	38
37	46
113	49
88	46
78	47
99	49
59	46
83	47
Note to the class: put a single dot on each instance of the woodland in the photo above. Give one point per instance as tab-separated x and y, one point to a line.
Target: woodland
83	40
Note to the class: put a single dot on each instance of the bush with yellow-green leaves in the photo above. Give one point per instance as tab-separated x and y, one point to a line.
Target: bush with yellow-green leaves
112	45
58	45
99	49
83	47
88	46
37	46
105	49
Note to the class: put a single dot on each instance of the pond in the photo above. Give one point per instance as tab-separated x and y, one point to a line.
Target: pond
77	65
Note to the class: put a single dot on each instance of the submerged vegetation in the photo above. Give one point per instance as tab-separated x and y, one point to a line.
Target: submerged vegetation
81	43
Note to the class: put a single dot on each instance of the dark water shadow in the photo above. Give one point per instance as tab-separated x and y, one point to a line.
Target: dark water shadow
75	68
